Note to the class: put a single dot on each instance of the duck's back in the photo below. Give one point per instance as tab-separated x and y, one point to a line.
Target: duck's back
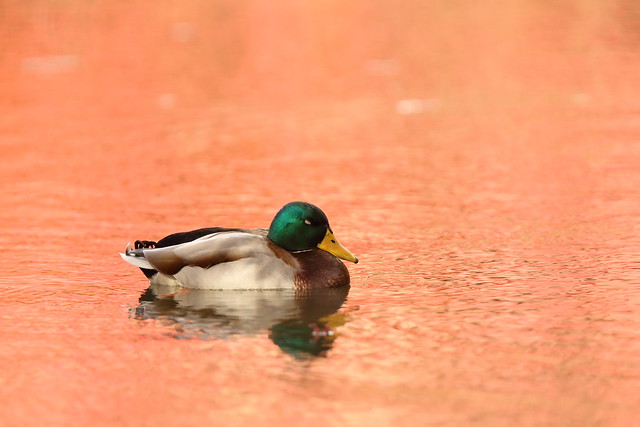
244	259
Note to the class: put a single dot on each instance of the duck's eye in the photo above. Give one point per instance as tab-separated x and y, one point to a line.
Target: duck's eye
308	222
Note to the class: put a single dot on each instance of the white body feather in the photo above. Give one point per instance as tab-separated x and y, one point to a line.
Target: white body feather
260	272
228	260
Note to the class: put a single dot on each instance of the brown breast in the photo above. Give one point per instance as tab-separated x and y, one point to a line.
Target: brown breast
320	269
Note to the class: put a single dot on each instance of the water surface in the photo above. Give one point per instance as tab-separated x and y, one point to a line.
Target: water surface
480	160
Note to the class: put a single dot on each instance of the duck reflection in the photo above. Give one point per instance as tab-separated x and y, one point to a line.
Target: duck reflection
302	322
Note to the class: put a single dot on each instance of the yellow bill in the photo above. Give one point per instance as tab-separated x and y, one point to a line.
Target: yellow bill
331	245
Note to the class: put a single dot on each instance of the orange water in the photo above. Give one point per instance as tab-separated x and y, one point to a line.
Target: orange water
481	159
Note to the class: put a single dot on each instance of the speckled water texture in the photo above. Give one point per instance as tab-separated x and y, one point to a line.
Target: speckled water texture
480	158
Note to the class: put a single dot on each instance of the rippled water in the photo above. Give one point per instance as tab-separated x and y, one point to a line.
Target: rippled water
480	159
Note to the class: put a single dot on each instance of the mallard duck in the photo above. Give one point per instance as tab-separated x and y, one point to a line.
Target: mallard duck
298	251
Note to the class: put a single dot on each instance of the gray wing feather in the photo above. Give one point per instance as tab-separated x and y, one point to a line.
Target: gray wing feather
207	251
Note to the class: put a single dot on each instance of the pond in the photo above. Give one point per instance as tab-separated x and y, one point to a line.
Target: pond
480	160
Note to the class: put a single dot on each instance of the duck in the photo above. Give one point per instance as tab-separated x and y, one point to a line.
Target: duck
297	251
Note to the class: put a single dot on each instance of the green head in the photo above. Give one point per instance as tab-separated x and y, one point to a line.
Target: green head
301	226
298	226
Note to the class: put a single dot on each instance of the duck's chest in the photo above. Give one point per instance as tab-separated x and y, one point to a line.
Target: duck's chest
319	269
